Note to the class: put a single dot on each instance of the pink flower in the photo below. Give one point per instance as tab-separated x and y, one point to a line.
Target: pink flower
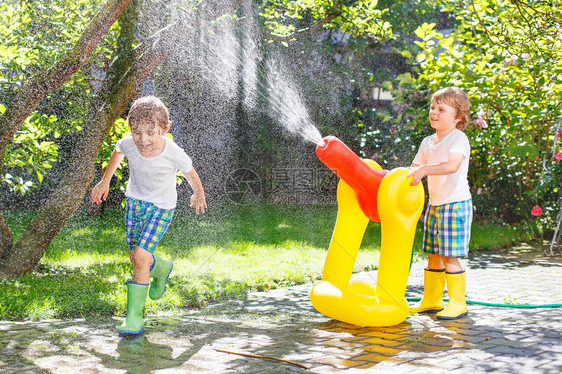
479	191
483	115
480	123
510	61
558	156
558	134
536	211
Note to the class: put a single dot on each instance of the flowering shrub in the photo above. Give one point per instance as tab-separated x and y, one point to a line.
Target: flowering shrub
549	186
501	53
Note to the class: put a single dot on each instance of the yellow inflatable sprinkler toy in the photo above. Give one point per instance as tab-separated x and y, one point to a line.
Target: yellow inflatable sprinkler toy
365	192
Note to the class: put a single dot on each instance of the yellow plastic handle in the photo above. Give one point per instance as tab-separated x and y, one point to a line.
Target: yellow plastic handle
361	302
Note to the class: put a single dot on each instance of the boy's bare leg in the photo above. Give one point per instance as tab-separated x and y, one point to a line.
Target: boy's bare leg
452	264
435	261
142	261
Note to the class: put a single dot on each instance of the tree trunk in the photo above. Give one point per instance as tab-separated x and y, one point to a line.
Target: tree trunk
130	70
6	238
58	209
31	94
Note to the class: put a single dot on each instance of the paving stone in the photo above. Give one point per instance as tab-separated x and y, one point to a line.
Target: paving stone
325	369
339	363
384	342
375	357
386	351
383	335
283	324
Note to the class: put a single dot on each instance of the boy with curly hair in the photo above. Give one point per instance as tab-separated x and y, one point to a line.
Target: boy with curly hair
151	200
444	157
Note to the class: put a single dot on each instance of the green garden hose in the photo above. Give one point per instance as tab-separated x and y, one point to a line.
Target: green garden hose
499	304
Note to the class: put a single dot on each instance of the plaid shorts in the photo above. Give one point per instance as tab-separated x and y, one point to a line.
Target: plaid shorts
447	229
146	224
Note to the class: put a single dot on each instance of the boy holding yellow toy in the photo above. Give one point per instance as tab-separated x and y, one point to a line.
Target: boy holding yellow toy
443	157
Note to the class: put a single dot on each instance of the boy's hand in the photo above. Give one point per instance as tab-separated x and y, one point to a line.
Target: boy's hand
99	192
417	174
198	202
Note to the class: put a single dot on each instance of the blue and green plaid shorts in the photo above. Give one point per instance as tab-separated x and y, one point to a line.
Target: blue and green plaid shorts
447	229
146	224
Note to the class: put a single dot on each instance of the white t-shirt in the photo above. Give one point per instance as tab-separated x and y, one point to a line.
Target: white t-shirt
154	179
450	188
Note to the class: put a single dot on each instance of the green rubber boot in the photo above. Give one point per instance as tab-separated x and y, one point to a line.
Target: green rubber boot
136	297
160	272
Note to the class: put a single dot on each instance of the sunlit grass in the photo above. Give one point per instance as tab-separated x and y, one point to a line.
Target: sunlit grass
217	256
486	236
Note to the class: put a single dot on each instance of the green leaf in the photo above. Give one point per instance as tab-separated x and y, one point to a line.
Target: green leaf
406	54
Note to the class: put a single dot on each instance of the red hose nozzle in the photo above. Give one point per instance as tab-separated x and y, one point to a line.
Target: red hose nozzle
355	172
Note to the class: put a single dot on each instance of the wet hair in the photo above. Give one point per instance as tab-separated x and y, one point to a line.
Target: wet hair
458	99
149	110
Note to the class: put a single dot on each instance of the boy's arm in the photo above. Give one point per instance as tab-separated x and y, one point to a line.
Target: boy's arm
198	198
100	191
448	167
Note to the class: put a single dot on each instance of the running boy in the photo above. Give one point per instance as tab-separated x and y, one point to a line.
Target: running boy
443	157
151	199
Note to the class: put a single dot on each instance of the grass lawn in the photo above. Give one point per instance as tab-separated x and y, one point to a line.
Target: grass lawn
220	255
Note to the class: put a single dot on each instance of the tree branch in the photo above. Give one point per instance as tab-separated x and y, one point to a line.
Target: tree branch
127	77
303	32
31	94
261	356
69	193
